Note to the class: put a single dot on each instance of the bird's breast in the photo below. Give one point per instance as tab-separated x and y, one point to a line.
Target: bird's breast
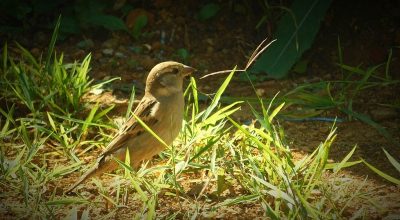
169	115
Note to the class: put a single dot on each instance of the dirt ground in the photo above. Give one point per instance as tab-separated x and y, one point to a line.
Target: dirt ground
367	31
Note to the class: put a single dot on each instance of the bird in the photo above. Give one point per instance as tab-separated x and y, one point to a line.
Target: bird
161	109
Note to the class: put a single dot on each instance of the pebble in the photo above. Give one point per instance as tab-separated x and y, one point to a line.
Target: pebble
110	43
108	51
260	92
120	55
85	44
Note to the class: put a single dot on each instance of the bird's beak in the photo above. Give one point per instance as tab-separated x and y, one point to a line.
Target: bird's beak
187	70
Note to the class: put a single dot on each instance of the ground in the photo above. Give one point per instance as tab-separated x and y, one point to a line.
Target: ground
366	30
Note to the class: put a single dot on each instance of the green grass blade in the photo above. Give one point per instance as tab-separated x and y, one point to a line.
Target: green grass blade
387	68
130	104
220	114
203	149
274	191
58	202
124	164
26	54
52	43
393	161
238	200
89	119
344	161
51	121
275	112
5	57
218	95
194	93
103	113
150	131
382	174
258	142
332	166
366	119
81	121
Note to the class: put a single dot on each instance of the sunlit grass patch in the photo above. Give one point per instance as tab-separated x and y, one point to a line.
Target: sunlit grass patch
218	167
217	163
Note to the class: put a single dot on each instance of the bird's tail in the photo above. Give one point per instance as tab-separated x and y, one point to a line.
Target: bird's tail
99	167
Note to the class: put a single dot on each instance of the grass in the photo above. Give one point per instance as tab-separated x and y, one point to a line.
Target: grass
343	95
216	167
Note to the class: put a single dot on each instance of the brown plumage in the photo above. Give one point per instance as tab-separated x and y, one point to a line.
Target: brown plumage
161	109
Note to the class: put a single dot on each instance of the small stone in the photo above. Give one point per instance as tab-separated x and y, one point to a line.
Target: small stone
147	47
260	92
110	43
85	44
108	51
120	55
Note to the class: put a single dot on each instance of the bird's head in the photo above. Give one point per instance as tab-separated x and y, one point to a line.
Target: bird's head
166	78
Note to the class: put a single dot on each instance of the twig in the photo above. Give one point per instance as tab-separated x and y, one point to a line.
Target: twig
252	58
219	72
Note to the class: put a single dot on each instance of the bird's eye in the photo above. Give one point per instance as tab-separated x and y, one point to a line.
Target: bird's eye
175	71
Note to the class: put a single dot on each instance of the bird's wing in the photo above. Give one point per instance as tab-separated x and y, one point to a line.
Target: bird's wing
132	128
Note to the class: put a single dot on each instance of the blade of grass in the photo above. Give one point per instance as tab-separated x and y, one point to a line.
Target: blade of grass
344	161
52	43
218	95
5	57
88	120
393	161
150	131
382	174
238	200
130	104
220	114
366	119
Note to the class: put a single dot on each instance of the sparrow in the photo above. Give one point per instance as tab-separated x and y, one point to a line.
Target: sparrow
161	109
